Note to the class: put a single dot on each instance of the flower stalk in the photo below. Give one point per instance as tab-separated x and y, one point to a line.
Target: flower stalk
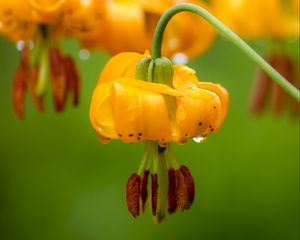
228	34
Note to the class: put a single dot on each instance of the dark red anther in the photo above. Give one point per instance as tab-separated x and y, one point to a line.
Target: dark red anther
144	192
133	194
172	205
154	192
18	91
24	57
277	96
181	192
58	79
260	91
72	78
189	182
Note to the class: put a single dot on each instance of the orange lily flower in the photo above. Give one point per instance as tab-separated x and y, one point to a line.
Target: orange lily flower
277	21
132	110
33	25
130	24
83	19
13	27
260	19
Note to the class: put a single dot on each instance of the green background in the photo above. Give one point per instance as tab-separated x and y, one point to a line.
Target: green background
58	182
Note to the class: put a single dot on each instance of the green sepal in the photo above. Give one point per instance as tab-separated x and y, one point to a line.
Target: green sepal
141	71
163	71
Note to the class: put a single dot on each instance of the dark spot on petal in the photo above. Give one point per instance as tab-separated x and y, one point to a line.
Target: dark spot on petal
130	135
120	135
214	106
186	135
200	123
108	138
163	139
212	129
140	134
209	126
138	138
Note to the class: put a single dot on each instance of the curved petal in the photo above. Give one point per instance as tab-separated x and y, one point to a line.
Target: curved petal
184	77
101	111
154	87
202	110
128	109
121	65
135	113
221	92
197	114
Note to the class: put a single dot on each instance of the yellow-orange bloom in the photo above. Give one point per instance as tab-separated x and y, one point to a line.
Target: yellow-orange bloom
278	22
165	104
12	25
260	19
129	26
34	24
127	109
83	19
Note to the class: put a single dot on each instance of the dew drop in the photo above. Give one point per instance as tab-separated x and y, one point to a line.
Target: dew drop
199	139
180	58
84	54
20	45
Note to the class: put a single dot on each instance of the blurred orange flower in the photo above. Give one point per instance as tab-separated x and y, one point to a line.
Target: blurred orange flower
254	19
129	26
34	25
278	22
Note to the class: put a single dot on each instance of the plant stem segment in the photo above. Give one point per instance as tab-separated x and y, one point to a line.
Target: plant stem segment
227	33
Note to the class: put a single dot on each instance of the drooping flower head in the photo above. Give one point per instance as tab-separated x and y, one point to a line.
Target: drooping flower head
278	22
140	99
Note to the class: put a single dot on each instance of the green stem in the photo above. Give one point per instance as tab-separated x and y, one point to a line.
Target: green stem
162	189
226	32
43	71
147	150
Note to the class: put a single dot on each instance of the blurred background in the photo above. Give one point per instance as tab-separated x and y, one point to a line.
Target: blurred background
58	182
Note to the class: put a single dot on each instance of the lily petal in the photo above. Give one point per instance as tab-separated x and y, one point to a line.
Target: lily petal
197	114
136	114
121	65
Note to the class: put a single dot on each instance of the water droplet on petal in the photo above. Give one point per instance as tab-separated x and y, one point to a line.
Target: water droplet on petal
180	58
20	45
199	139
84	54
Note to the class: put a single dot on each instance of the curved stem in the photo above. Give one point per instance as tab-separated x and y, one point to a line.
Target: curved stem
226	32
43	71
